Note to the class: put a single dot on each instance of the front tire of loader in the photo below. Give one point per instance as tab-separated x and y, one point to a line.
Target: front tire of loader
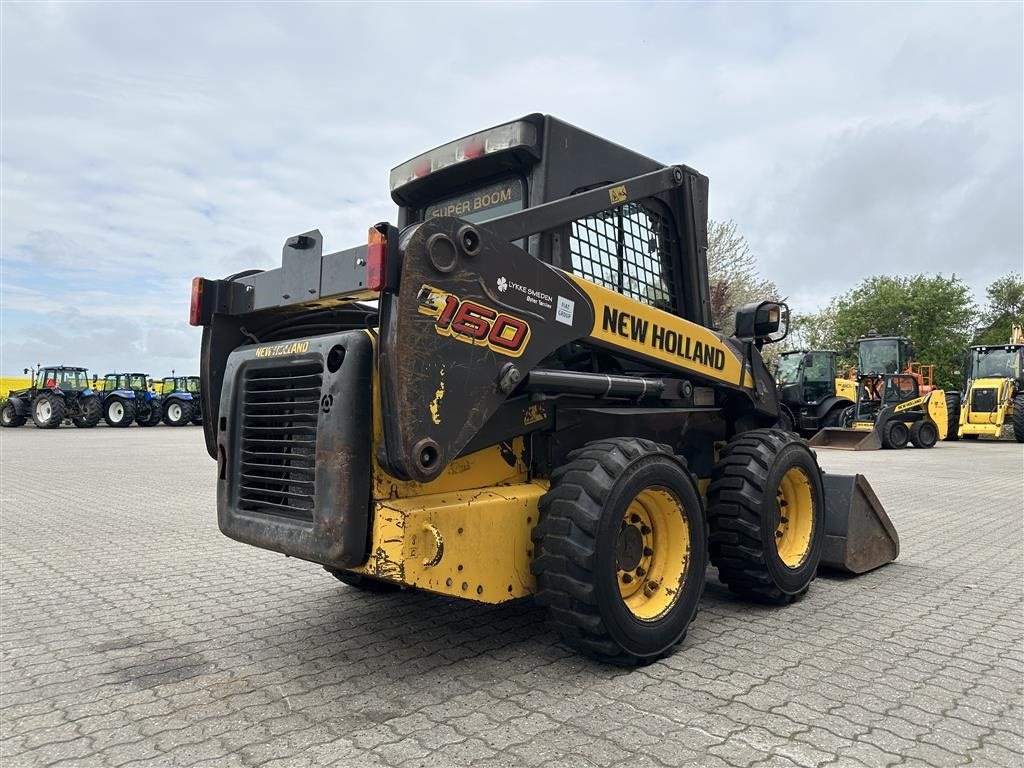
620	550
9	416
1018	418
786	421
895	435
89	413
359	581
118	412
924	434
766	511
48	410
953	416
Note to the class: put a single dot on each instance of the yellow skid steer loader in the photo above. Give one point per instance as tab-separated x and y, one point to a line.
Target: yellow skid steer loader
515	391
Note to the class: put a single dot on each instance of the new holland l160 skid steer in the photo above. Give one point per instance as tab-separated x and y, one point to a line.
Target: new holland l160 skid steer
515	391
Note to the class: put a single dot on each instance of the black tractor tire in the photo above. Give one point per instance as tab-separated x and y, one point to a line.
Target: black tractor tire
834	417
177	413
786	421
761	477
359	581
53	410
148	414
621	522
924	434
895	435
89	413
952	416
1018	418
9	416
846	416
197	416
118	412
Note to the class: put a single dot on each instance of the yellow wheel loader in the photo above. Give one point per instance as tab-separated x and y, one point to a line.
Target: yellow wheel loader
515	392
994	396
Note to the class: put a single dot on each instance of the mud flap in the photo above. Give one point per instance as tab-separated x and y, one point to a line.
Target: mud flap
859	536
847	439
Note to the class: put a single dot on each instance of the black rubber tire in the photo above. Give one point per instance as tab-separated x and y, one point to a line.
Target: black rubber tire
1018	418
185	417
575	559
148	414
197	416
127	412
786	421
89	413
895	435
924	434
834	417
743	515
952	416
9	416
359	581
846	416
58	408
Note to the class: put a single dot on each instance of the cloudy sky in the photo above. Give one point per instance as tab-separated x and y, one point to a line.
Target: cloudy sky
145	143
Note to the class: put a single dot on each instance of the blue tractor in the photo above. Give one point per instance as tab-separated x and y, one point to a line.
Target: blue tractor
127	398
58	392
181	400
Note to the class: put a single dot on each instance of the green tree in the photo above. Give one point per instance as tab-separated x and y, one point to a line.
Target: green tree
936	312
733	277
1005	306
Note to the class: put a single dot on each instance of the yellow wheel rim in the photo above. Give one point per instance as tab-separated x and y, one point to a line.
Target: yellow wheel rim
652	553
796	517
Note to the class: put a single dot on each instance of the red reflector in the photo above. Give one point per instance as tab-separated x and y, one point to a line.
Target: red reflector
195	312
376	260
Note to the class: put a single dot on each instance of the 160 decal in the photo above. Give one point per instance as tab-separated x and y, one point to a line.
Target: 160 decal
474	323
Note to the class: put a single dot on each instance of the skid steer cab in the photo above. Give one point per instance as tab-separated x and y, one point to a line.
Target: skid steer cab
515	392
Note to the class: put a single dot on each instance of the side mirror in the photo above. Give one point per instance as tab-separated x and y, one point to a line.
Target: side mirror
808	359
25	371
764	322
912	351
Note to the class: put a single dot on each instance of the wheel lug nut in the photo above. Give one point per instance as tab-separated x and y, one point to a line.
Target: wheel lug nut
644	530
784	519
635	518
778	534
640	571
648	551
626	578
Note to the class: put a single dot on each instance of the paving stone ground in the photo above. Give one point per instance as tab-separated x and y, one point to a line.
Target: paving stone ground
133	633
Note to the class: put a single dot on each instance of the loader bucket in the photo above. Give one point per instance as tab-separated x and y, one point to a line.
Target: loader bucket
847	439
859	536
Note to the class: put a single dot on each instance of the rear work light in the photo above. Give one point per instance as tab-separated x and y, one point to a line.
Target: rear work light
195	312
376	260
508	136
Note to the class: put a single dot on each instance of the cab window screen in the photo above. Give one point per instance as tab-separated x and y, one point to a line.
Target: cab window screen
480	204
627	249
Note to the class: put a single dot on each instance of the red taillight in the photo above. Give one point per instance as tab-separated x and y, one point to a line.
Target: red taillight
376	260
195	312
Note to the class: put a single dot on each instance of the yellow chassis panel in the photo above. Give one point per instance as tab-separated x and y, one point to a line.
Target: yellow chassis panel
473	544
987	423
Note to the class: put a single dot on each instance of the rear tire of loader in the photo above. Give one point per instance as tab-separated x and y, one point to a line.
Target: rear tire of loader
895	435
766	511
1018	418
620	551
953	416
924	434
359	581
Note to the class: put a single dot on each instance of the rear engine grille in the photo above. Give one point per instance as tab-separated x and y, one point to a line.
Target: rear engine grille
984	400
279	420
